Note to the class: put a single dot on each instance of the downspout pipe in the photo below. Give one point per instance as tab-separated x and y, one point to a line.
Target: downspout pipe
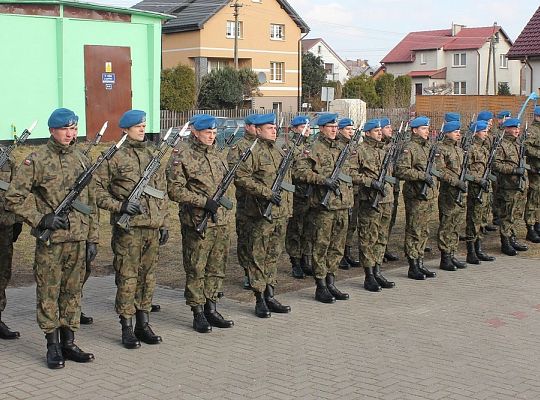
299	105
478	74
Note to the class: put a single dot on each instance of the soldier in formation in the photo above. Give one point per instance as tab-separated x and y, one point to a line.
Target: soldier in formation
532	207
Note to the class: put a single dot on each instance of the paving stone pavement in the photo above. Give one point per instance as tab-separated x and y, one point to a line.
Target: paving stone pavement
470	334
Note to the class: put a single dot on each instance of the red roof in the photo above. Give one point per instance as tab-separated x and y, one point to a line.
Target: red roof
466	38
528	41
432	73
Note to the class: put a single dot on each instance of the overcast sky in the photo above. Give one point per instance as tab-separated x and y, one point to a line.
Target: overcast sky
369	29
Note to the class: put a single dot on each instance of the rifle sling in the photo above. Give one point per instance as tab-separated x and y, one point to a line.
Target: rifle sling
345	178
226	202
4	185
289	187
151	191
82	208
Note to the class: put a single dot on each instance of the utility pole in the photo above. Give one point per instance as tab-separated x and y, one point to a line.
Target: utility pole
236	6
494	58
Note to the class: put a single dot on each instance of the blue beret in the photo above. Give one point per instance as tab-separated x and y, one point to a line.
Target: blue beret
504	114
511	122
131	118
263	119
372	124
484	115
537	110
419	121
478	126
385	122
299	120
327	118
250	119
204	121
451	126
452	116
62	117
344	122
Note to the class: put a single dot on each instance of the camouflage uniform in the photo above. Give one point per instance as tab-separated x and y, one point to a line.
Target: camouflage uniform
253	182
478	157
396	187
532	145
192	178
328	226
38	186
135	251
492	207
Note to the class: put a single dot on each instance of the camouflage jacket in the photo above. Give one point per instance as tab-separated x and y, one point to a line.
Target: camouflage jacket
506	160
300	188
368	160
478	157
532	146
449	165
193	176
254	179
232	158
6	174
317	165
411	167
42	182
117	177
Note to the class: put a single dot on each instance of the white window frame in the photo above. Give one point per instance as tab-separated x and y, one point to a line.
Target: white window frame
277	71
229	30
423	58
462	60
277	32
503	61
461	87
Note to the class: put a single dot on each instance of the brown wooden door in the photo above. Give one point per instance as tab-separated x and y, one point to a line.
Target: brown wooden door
107	76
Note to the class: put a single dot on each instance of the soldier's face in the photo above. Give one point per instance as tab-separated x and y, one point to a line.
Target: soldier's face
64	135
347	131
300	129
136	132
512	130
250	128
329	130
454	135
206	136
375	133
422	131
267	132
387	131
482	134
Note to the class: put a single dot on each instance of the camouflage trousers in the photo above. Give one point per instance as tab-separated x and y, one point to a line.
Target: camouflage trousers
397	190
373	228
328	233
511	211
242	240
135	259
475	213
265	246
418	214
205	261
532	208
497	201
297	242
57	271
6	258
451	219
352	227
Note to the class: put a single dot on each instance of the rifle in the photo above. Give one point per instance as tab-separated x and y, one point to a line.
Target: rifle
97	139
430	165
5	153
284	166
463	175
141	187
336	173
219	195
489	164
70	201
522	162
388	160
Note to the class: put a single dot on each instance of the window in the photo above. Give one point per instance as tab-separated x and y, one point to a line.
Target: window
329	68
277	32
460	60
460	87
277	106
230	29
217	64
503	61
319	48
422	58
276	71
418	88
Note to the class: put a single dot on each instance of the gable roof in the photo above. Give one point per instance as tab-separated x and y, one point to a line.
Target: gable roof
308	44
433	73
191	15
465	39
528	41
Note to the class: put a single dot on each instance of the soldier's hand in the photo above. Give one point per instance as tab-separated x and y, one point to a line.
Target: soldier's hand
331	184
91	251
428	179
462	186
17	229
378	186
518	171
211	205
53	222
163	236
276	199
484	184
131	208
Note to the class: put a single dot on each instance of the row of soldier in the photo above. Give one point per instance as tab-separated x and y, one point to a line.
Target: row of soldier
339	186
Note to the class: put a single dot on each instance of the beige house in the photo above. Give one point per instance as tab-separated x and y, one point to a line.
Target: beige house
269	42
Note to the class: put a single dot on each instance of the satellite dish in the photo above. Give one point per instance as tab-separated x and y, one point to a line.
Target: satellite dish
261	76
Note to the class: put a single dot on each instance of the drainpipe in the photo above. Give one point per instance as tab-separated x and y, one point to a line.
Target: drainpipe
530	67
478	73
299	105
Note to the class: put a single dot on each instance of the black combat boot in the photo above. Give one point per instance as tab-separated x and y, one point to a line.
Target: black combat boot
214	318
297	271
322	293
155	308
143	331
261	309
446	262
86	320
506	247
272	303
414	270
55	359
458	263
389	256
129	340
381	280
200	323
472	257
532	236
306	265
537	227
480	253
245	284
344	264
6	333
490	228
517	245
370	283
423	269
334	291
353	262
70	350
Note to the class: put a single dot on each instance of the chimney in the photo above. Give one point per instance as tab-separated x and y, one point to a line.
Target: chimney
456	28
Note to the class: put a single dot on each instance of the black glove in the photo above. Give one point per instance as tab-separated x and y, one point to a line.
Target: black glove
91	251
131	208
163	236
17	229
484	184
331	184
378	186
518	171
276	198
53	222
462	186
211	205
428	179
